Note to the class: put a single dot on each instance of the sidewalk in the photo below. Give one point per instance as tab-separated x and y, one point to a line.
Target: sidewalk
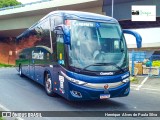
146	82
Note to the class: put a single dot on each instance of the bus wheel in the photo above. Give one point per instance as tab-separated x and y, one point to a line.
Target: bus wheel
20	71
49	85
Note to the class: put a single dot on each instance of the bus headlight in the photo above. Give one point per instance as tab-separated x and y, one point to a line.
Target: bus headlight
126	80
79	82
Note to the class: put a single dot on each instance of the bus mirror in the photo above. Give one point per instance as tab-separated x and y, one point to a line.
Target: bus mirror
58	31
136	35
67	37
66	32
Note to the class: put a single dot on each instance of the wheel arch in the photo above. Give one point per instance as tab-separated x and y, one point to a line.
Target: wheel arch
44	75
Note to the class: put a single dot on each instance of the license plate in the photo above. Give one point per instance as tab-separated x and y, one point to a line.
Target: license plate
104	96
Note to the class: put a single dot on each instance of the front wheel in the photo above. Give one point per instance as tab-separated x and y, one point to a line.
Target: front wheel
49	85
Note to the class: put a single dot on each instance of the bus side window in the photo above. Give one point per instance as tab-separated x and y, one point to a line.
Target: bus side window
116	46
43	34
53	35
22	56
58	20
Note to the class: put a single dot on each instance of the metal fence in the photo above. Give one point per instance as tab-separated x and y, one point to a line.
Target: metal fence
23	5
143	64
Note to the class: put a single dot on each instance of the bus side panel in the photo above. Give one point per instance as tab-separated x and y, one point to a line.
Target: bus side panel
23	61
43	63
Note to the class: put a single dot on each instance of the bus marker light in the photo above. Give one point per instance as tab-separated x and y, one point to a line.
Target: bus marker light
51	66
55	89
60	56
61	90
55	83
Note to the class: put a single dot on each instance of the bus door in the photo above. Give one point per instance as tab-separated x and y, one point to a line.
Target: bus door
60	58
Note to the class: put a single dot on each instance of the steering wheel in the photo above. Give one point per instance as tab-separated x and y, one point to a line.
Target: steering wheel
98	56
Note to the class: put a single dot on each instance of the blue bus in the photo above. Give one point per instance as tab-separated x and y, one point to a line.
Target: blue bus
77	55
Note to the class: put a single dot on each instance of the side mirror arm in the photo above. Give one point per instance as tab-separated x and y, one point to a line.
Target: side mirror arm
136	35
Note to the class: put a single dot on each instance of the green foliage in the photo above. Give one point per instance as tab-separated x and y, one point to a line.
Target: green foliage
156	63
1	118
5	65
7	3
134	80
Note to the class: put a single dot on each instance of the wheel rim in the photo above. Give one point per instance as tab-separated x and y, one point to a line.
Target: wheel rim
48	84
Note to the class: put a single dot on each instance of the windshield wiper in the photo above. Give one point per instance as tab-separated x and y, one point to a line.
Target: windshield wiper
104	64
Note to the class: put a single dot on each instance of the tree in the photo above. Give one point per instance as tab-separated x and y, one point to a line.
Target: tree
7	3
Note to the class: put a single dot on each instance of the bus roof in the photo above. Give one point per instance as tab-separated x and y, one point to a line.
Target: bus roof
79	15
76	15
82	15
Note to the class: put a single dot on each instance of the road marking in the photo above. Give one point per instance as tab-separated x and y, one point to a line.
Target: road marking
6	109
158	90
134	85
152	92
142	83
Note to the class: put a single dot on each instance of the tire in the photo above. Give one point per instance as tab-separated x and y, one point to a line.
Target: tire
49	85
20	71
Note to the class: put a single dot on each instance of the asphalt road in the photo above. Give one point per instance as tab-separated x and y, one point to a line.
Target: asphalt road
23	94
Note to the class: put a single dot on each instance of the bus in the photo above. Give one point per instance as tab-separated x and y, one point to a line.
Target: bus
77	55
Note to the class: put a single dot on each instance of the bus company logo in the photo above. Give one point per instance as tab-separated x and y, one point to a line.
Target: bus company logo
143	13
106	86
106	73
37	55
82	24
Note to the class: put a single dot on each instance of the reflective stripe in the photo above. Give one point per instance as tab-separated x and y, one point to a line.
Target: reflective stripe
101	85
94	85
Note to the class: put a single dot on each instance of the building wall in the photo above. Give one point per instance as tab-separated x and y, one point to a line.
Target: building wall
94	10
122	11
5	58
19	22
27	21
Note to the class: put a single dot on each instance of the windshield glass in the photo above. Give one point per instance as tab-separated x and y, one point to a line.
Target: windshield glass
97	46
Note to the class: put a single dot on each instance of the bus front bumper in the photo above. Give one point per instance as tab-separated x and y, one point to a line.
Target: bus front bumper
80	92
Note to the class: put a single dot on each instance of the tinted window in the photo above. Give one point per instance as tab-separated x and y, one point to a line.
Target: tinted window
43	34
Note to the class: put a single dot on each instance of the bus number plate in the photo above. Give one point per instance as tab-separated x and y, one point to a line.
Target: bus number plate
104	96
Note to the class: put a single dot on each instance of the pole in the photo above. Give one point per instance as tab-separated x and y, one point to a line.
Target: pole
133	56
112	7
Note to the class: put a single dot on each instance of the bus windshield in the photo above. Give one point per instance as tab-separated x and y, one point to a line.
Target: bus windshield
97	46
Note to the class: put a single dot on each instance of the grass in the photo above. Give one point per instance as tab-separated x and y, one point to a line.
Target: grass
1	118
134	79
5	65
